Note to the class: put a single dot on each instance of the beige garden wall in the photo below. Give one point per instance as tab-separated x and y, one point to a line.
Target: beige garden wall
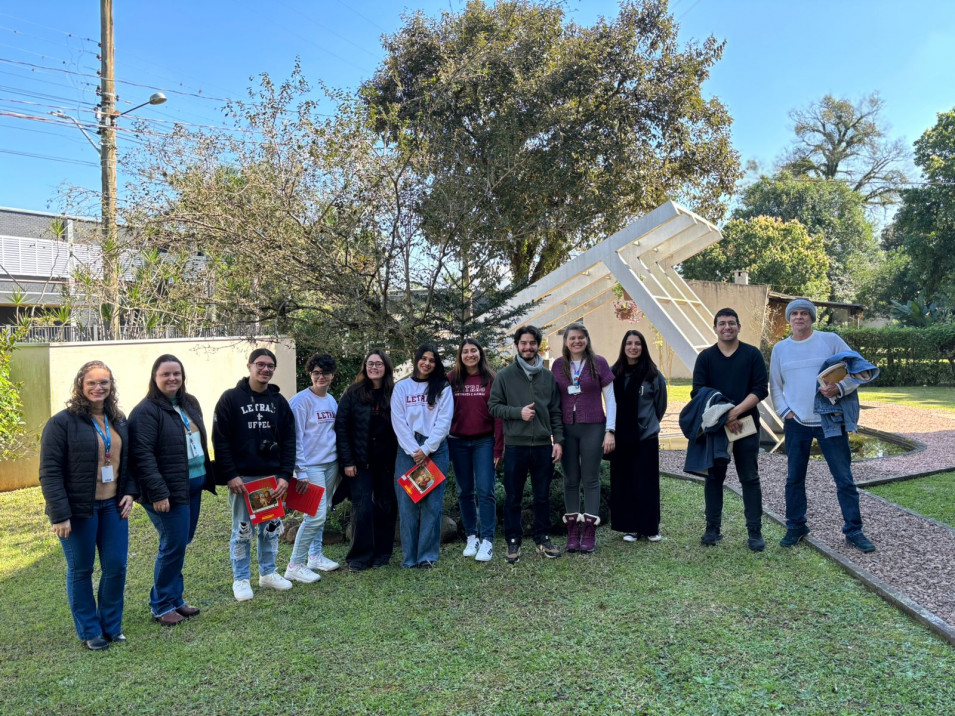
47	370
606	330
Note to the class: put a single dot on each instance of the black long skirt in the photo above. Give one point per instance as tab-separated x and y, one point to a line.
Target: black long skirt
635	487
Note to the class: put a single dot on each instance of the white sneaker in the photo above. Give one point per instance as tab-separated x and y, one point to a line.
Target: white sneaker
655	538
472	547
301	573
242	590
630	537
485	551
274	581
322	563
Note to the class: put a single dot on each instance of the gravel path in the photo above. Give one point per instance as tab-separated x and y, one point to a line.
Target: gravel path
915	556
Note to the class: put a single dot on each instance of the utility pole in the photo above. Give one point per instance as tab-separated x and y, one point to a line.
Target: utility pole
107	131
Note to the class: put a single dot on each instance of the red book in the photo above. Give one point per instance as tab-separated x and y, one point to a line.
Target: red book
420	480
306	502
261	501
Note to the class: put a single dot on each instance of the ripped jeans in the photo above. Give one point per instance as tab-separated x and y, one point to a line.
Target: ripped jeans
240	546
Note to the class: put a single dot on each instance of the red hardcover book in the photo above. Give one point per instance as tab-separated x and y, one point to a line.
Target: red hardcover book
261	501
420	480
306	502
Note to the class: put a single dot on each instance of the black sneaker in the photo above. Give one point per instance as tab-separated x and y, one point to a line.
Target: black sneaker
546	548
513	554
793	536
711	536
756	541
860	542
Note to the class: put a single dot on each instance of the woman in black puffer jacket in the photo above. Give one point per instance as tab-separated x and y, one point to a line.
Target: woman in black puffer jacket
367	447
88	500
169	463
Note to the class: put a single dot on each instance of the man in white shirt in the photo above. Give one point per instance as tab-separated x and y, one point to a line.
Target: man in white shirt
795	363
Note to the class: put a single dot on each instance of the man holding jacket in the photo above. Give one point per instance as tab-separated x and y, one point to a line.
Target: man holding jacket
525	396
795	363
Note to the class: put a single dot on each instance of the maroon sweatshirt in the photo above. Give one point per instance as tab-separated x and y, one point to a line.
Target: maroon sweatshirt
471	417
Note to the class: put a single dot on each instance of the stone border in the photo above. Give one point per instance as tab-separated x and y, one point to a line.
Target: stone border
915	610
872	482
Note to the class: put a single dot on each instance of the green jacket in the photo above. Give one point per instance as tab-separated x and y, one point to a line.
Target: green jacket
511	391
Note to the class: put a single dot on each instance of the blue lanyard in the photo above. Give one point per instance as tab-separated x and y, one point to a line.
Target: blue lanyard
185	420
107	438
576	372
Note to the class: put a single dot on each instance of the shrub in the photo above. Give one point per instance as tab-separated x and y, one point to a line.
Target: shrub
906	356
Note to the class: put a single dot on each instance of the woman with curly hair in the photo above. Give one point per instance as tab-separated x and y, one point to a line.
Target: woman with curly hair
88	500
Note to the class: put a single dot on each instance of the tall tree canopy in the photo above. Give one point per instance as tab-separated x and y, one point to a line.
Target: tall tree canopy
557	134
836	139
781	254
829	209
925	224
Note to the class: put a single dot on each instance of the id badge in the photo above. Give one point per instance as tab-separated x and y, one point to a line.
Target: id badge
573	390
106	472
193	445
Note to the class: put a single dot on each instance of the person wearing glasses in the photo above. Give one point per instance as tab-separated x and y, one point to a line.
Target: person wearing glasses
169	461
253	434
367	447
316	462
88	498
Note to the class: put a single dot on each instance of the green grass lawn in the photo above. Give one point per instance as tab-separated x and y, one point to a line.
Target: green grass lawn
937	396
668	628
932	496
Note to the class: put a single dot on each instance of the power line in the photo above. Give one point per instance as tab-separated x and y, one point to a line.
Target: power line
62	160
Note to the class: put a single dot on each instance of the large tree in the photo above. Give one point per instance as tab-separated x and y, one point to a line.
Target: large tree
553	135
780	254
925	223
827	208
836	139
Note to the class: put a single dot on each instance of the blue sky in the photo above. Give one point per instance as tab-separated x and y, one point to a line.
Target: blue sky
779	55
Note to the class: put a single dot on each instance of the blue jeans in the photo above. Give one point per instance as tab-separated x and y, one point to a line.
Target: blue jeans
420	527
519	460
836	451
176	529
240	546
107	533
473	462
308	539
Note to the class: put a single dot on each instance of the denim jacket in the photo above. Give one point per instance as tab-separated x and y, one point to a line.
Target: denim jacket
844	413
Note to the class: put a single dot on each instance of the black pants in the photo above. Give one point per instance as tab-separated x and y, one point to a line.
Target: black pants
635	487
745	455
375	512
519	460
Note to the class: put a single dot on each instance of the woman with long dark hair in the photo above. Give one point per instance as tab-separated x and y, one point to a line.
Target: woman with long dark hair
366	447
169	462
641	393
476	444
421	410
583	378
89	497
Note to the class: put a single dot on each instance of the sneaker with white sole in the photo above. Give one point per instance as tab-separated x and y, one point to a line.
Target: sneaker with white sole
274	581
472	546
655	538
485	551
242	590
630	537
322	563
301	573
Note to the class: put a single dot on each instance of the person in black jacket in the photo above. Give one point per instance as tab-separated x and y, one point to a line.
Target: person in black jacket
169	462
88	500
253	434
367	447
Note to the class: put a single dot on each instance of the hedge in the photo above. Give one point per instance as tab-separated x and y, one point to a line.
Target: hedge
906	356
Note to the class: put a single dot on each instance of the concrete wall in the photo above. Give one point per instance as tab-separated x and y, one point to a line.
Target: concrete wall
606	329
47	370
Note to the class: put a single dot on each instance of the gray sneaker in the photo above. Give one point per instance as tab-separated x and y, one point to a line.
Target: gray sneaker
547	549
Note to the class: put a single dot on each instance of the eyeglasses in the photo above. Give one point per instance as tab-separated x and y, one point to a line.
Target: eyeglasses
371	364
265	366
320	374
96	384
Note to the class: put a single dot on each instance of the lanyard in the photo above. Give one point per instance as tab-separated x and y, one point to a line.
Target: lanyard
107	438
185	420
576	371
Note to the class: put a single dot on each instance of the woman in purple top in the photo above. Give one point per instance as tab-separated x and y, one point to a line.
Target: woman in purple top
582	378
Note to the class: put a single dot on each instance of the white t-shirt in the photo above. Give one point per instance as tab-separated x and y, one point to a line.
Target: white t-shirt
314	429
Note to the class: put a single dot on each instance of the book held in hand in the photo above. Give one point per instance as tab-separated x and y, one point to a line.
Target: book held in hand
749	428
832	374
420	480
307	501
261	500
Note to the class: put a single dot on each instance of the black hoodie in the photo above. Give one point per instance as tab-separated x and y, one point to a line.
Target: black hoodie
245	427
